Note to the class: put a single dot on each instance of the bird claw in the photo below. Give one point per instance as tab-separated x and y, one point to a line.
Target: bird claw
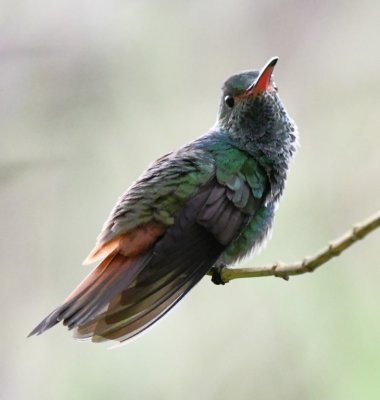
216	274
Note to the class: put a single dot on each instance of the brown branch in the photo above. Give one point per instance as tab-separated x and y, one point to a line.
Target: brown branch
308	264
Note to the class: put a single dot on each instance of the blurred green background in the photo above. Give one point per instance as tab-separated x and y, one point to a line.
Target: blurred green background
91	93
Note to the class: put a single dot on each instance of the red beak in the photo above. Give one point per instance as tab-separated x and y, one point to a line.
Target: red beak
263	80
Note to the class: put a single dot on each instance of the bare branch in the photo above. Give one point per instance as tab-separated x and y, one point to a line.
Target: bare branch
308	264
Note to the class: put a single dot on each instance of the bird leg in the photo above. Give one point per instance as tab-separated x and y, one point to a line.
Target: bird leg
216	274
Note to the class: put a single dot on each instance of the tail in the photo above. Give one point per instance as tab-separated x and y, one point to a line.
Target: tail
125	295
95	292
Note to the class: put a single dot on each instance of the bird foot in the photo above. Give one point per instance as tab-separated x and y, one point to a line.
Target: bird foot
216	274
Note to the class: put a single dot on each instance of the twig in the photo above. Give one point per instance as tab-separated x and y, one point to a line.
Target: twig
308	264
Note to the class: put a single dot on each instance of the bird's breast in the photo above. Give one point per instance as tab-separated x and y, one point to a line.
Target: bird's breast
253	237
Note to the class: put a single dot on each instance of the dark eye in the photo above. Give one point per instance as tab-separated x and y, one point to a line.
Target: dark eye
229	100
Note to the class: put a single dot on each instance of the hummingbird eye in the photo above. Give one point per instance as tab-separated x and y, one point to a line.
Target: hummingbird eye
229	100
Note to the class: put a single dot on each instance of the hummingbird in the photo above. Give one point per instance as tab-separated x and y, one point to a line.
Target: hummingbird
202	207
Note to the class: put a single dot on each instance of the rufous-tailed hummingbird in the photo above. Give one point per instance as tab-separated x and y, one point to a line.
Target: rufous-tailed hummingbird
204	206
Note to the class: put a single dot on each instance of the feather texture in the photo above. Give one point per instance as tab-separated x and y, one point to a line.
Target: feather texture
124	295
180	259
151	265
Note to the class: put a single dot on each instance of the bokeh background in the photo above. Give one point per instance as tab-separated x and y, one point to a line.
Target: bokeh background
93	91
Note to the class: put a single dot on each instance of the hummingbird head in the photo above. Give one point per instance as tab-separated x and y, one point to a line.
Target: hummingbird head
252	114
241	92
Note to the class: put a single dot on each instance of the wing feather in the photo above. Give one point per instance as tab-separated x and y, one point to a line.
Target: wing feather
161	238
